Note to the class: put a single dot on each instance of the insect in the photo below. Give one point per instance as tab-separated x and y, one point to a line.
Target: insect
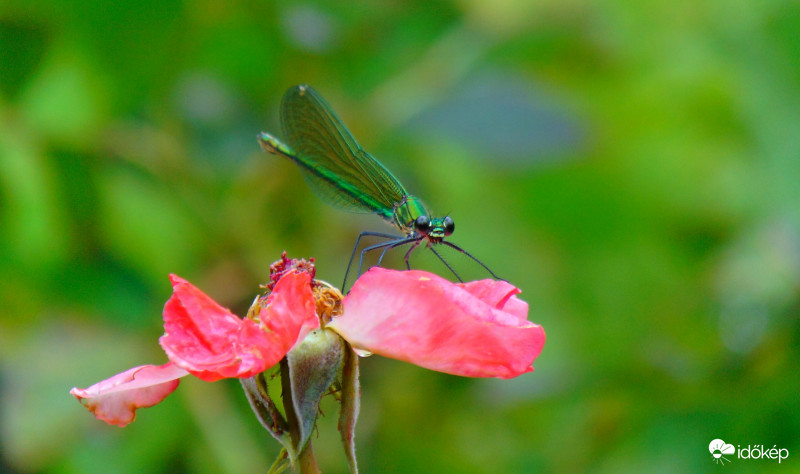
342	174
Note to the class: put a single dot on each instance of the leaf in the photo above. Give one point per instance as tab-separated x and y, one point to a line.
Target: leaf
348	414
313	366
267	413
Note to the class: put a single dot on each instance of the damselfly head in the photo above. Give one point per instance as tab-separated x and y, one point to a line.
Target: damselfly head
435	229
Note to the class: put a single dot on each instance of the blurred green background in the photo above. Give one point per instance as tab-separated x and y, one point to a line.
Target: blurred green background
634	167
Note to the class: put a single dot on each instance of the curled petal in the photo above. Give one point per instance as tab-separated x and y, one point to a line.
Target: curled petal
116	399
208	340
212	343
498	294
477	329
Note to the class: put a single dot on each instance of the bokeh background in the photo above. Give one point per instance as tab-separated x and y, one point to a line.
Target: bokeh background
634	167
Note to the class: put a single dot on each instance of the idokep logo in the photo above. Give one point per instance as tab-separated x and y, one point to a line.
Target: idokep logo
719	449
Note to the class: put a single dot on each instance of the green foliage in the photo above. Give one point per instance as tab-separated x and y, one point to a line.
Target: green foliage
648	207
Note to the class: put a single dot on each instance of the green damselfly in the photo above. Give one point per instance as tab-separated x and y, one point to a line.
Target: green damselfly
342	174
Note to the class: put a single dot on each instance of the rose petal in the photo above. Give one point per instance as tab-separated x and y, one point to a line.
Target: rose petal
116	399
212	343
291	312
500	294
479	329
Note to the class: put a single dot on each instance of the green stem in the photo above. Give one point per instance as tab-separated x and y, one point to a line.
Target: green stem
305	463
280	463
306	460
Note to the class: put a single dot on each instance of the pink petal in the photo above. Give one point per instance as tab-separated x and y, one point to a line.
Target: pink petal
291	312
116	399
212	343
477	329
500	294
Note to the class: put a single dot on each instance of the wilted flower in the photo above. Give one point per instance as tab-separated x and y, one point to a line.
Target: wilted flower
475	329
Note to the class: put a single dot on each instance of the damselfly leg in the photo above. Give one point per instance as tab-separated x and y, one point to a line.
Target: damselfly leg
355	248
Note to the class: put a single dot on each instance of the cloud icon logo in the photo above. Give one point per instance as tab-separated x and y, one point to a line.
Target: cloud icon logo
718	449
